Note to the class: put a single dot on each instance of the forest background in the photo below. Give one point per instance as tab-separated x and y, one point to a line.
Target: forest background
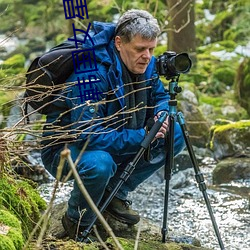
214	33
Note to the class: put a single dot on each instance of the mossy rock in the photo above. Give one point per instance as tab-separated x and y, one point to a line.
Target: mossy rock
231	169
22	200
219	107
10	231
197	125
232	139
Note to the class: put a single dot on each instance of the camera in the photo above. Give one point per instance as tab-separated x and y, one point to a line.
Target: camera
171	65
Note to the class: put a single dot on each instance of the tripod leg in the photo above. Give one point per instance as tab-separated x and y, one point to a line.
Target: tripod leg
199	177
168	173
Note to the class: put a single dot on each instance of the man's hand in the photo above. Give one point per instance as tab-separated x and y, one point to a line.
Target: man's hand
164	128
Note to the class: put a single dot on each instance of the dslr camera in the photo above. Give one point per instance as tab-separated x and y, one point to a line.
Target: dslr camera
171	65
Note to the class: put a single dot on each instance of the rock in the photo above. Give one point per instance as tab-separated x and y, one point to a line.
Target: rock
181	179
188	95
227	110
231	169
230	143
206	109
197	125
231	139
149	238
30	167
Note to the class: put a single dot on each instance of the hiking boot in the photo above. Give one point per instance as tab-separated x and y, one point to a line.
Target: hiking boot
121	211
75	231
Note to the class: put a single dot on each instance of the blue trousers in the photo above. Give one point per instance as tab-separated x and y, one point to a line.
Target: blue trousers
100	170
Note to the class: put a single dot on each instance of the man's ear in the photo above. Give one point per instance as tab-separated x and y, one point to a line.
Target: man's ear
118	42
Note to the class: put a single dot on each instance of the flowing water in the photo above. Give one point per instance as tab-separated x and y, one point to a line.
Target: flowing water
187	212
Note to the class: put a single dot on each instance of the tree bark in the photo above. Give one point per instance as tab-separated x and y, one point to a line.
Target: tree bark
181	27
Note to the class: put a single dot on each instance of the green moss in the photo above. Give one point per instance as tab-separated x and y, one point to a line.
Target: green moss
212	100
6	243
225	75
22	200
91	247
17	61
13	239
242	84
16	237
160	50
219	102
128	244
13	71
235	125
228	45
61	38
9	219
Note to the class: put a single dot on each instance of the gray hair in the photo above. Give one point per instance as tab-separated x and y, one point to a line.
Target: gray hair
137	22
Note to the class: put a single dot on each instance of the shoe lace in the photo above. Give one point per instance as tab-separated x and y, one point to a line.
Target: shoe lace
127	203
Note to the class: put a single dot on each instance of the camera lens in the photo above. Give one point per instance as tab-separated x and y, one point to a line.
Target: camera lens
182	63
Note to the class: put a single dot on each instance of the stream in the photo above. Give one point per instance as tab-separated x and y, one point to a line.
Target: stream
187	212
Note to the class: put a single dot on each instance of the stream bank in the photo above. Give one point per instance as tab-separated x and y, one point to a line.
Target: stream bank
188	216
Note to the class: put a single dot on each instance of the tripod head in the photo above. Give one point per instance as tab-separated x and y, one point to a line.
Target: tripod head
174	89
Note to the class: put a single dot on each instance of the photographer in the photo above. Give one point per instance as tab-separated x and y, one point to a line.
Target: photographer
113	124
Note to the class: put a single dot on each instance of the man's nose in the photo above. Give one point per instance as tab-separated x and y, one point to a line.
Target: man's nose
146	54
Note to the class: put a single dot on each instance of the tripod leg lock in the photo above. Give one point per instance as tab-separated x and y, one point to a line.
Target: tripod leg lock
127	172
200	180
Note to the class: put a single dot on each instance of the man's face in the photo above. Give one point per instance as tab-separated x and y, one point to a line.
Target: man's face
137	53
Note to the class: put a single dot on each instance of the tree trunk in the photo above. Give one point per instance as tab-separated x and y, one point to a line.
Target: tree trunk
181	27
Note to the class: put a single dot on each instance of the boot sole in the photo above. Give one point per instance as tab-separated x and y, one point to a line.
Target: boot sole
121	219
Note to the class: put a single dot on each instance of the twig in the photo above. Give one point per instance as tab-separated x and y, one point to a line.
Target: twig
45	217
66	154
99	238
137	236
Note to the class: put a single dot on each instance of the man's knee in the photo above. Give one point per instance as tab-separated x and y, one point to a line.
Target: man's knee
97	165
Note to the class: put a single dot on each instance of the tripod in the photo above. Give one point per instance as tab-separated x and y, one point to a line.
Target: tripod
129	168
169	163
173	90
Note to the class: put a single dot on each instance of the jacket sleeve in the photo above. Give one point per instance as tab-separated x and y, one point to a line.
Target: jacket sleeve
89	125
161	97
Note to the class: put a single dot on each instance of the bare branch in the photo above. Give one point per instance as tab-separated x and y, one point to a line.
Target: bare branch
66	154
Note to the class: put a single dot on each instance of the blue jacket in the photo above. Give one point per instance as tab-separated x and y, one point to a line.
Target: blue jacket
102	122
